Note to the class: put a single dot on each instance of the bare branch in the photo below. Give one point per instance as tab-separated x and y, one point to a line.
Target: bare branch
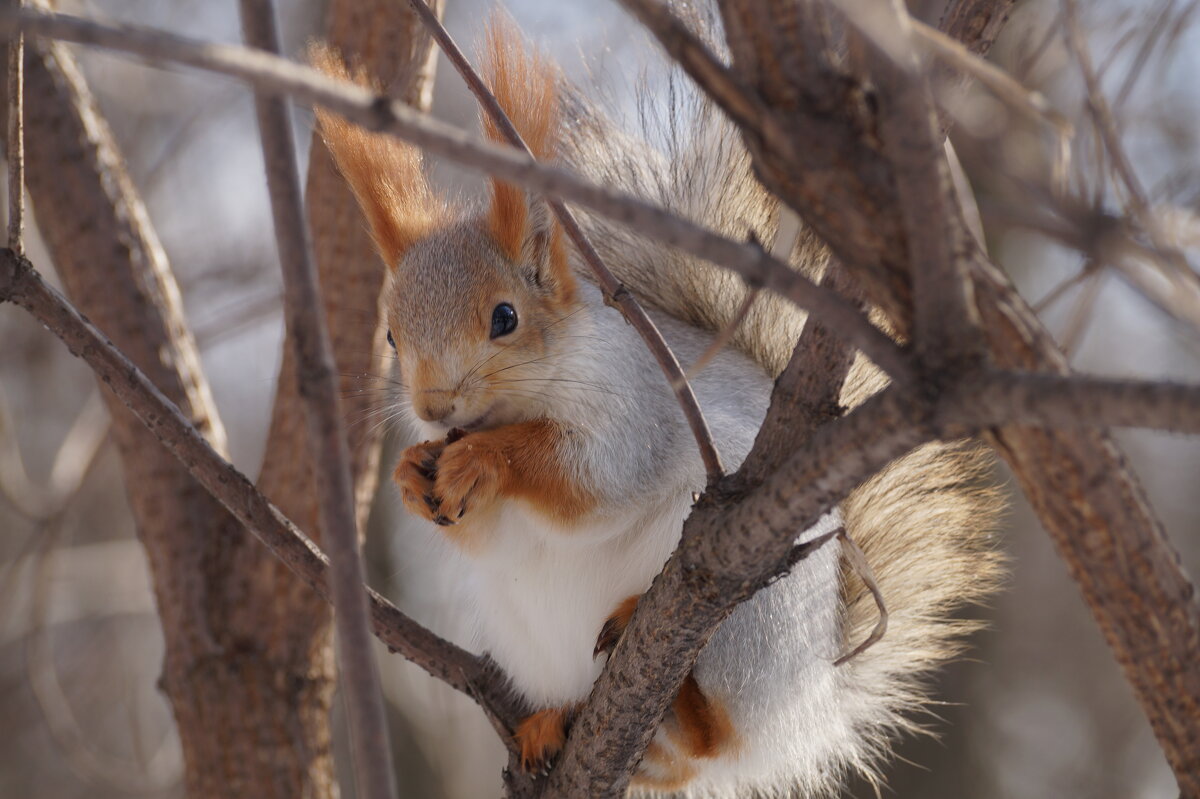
21	284
614	292
807	393
1074	401
1028	102
16	143
718	80
728	551
945	327
272	74
1105	530
858	562
317	373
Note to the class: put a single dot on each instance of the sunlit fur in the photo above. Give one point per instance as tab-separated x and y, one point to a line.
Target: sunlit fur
384	173
770	713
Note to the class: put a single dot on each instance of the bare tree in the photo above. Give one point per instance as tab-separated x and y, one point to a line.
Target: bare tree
857	152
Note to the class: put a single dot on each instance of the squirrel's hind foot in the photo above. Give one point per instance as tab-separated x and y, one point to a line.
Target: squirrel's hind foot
541	737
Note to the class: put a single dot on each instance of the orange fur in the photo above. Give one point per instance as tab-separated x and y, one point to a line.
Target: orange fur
520	461
541	736
526	86
704	728
414	475
614	626
384	173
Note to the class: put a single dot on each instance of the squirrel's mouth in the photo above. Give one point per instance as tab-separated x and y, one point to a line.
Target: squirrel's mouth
478	422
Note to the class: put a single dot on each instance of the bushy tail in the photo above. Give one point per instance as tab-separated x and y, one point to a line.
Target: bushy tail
926	523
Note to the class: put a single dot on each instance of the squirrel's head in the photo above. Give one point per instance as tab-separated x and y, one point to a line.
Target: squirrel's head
475	303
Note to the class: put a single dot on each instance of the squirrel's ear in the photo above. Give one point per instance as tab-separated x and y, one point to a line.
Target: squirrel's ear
385	174
526	85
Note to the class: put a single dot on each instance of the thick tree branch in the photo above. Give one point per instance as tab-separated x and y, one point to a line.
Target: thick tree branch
317	374
272	74
614	292
20	283
945	326
728	551
844	188
807	393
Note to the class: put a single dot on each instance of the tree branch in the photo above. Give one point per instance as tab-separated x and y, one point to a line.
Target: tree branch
317	374
807	394
1073	401
728	551
945	327
21	284
275	75
15	151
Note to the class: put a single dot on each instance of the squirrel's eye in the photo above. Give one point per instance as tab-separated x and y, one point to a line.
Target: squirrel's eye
504	320
391	341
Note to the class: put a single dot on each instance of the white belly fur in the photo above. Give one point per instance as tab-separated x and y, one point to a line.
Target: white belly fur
542	592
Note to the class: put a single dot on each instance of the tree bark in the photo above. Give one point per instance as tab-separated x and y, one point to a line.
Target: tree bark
249	666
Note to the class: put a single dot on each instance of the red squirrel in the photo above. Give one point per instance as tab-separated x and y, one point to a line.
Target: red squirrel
571	469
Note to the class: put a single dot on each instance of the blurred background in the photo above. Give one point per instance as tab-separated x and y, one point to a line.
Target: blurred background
1037	709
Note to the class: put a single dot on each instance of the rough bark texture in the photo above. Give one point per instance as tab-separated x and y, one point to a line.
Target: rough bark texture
389	43
1088	500
249	664
113	267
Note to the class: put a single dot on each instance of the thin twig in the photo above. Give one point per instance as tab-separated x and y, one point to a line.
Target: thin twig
614	292
858	561
276	75
21	284
316	371
1168	260
16	142
1028	102
724	335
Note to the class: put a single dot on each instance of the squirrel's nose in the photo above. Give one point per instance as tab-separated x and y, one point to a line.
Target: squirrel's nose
434	405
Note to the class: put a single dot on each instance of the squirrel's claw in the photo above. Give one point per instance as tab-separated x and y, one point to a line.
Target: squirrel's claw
614	626
416	475
541	737
468	478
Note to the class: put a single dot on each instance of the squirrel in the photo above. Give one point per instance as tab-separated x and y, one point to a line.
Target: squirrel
557	460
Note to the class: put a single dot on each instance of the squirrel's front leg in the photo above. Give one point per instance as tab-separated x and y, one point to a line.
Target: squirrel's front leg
528	461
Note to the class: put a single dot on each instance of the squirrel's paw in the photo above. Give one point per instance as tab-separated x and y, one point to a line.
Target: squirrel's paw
468	477
614	626
541	737
415	474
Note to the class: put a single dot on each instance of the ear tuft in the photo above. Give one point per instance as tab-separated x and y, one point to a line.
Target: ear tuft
384	173
526	85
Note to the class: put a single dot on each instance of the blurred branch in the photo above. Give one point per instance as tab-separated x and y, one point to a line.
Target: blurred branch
274	75
72	460
371	751
89	762
16	142
1075	401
